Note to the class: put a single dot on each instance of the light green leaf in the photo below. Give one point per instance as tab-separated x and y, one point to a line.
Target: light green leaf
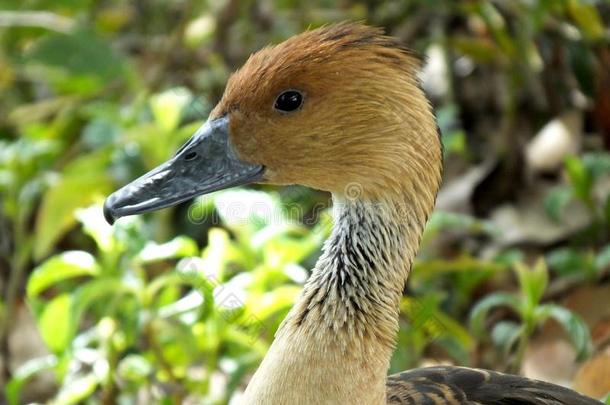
249	210
135	368
587	18
444	325
70	264
180	246
56	323
98	289
26	371
573	324
556	201
429	269
84	180
533	281
505	334
94	225
579	177
482	308
78	62
204	286
269	304
444	221
567	261
602	260
200	30
77	390
597	164
167	107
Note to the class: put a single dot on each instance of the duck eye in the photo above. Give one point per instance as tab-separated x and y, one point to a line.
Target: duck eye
288	101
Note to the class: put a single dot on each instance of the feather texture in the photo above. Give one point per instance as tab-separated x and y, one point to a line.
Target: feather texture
468	386
366	133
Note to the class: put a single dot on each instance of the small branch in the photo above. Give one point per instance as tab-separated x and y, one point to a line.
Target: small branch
42	19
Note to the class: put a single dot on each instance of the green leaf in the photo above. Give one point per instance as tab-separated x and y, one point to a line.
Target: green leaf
167	107
84	180
556	201
587	18
76	391
62	267
26	371
597	164
573	324
568	261
505	334
80	62
135	368
509	257
99	289
579	177
100	132
94	225
180	246
204	286
444	325
56	323
533	281
482	308
247	211
444	221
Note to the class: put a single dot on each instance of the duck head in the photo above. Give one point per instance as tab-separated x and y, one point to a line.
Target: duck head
338	108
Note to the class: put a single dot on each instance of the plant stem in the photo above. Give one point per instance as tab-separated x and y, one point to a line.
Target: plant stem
515	365
17	269
150	333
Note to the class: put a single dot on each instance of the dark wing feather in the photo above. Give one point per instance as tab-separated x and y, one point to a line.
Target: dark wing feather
468	386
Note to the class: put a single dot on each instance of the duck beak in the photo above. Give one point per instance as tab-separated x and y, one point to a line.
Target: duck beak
206	163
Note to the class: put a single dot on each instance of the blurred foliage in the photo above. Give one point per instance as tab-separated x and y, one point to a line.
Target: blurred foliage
507	334
96	92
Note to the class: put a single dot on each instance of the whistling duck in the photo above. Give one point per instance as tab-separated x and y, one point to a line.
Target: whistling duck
340	109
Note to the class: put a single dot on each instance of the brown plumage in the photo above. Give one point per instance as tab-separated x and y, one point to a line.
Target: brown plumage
365	124
461	385
366	133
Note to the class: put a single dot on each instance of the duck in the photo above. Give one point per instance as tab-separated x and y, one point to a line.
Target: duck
340	109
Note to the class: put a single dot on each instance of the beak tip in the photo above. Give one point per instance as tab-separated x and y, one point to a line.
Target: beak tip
108	212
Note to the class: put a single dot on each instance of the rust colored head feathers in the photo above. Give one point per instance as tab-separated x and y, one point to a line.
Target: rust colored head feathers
329	108
363	117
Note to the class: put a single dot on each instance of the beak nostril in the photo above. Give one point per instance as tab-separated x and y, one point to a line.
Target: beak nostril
190	156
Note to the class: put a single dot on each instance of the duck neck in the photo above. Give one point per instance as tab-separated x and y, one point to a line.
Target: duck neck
336	343
354	290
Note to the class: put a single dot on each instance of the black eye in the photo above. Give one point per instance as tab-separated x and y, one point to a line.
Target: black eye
288	101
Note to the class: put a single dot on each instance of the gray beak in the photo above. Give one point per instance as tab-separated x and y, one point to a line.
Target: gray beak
206	163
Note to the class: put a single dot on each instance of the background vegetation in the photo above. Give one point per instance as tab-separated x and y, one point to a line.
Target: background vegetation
181	305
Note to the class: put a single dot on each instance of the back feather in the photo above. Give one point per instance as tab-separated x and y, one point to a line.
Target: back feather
468	386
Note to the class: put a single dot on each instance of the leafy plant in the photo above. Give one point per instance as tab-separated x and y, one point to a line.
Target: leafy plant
94	94
513	337
585	175
139	315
